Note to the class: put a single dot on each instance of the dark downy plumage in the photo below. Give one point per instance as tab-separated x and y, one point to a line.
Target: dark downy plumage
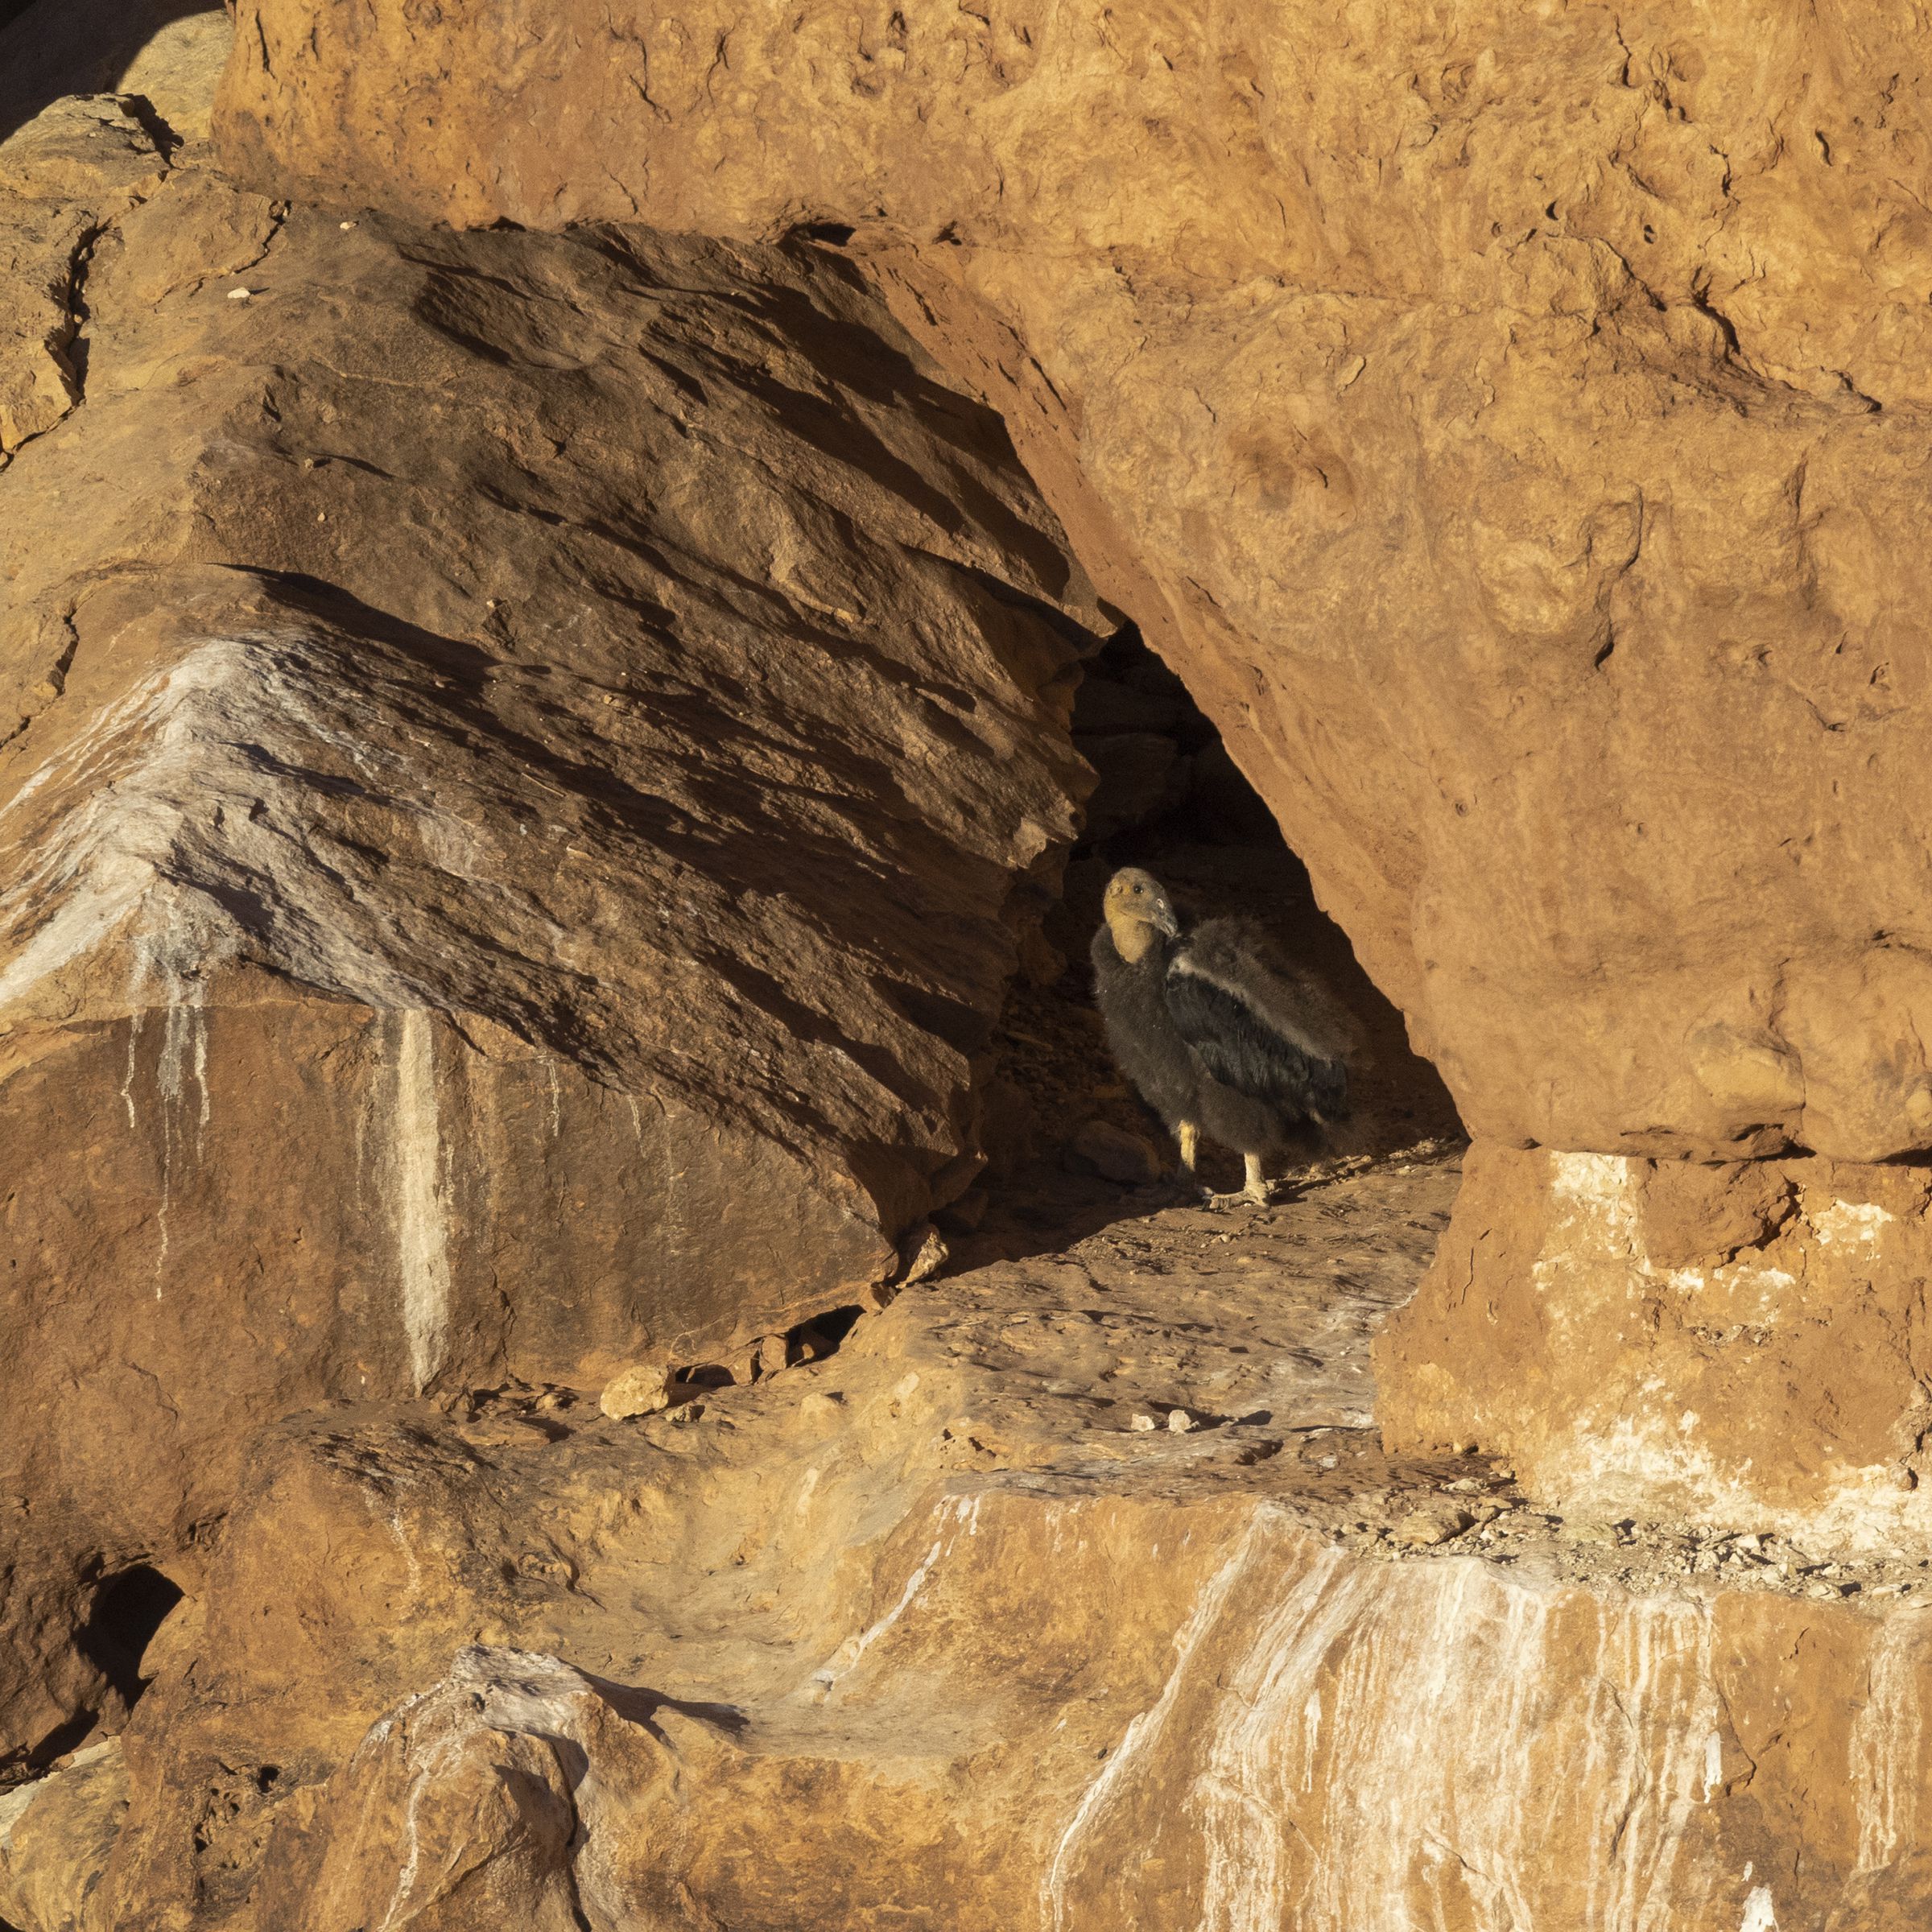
1217	1040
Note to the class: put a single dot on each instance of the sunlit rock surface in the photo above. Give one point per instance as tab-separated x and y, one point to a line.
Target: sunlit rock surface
1509	421
1744	1344
1511	425
929	1635
527	765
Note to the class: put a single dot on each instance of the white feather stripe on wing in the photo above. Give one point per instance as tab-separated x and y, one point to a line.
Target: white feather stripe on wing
1271	1001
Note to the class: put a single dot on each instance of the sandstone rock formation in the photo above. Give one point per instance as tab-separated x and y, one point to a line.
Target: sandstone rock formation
162	55
1781	1304
1510	424
527	765
929	1635
1514	413
57	1834
65	178
535	749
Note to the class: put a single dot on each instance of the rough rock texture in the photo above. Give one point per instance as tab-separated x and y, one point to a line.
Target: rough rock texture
1740	1344
64	179
57	1836
928	1635
164	53
527	765
1511	422
1512	418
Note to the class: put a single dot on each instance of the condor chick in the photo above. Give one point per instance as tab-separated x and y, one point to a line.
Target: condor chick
1217	1043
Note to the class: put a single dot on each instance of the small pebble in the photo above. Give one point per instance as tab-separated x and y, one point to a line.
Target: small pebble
1422	1529
345	226
239	294
1142	1423
641	1390
1180	1422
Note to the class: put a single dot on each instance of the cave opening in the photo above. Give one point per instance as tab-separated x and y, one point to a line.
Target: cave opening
1069	1145
126	1614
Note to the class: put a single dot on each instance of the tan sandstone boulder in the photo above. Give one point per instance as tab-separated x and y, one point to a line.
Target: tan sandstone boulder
913	1671
1510	422
1509	419
1742	1345
527	765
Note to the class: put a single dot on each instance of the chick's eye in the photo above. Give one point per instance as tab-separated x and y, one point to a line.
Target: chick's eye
1138	890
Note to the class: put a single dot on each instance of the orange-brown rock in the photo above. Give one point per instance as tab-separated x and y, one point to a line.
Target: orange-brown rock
454	678
1744	1345
1510	422
63	178
928	1635
164	56
527	763
57	1836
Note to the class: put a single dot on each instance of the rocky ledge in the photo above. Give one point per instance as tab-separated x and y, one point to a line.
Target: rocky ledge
934	1632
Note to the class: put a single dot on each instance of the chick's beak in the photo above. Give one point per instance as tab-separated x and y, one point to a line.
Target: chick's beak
1163	920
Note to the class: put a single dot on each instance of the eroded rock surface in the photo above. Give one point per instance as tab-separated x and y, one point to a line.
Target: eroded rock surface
528	765
1780	1305
1510	423
929	1634
65	179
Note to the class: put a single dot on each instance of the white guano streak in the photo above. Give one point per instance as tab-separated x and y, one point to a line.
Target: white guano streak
104	871
1452	1755
197	785
1144	1731
420	1206
190	794
956	1513
1358	1747
1887	1733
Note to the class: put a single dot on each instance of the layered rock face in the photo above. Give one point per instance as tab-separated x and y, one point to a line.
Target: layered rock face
930	1636
1509	423
535	751
528	765
1515	415
1742	1344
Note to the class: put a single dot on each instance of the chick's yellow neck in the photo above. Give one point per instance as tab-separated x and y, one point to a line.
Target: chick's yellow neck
1132	939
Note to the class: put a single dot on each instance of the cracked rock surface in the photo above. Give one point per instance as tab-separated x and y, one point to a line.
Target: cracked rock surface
926	1634
65	179
528	765
1511	423
533	751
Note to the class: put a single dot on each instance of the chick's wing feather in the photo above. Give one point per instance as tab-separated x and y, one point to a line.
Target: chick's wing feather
1255	1030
